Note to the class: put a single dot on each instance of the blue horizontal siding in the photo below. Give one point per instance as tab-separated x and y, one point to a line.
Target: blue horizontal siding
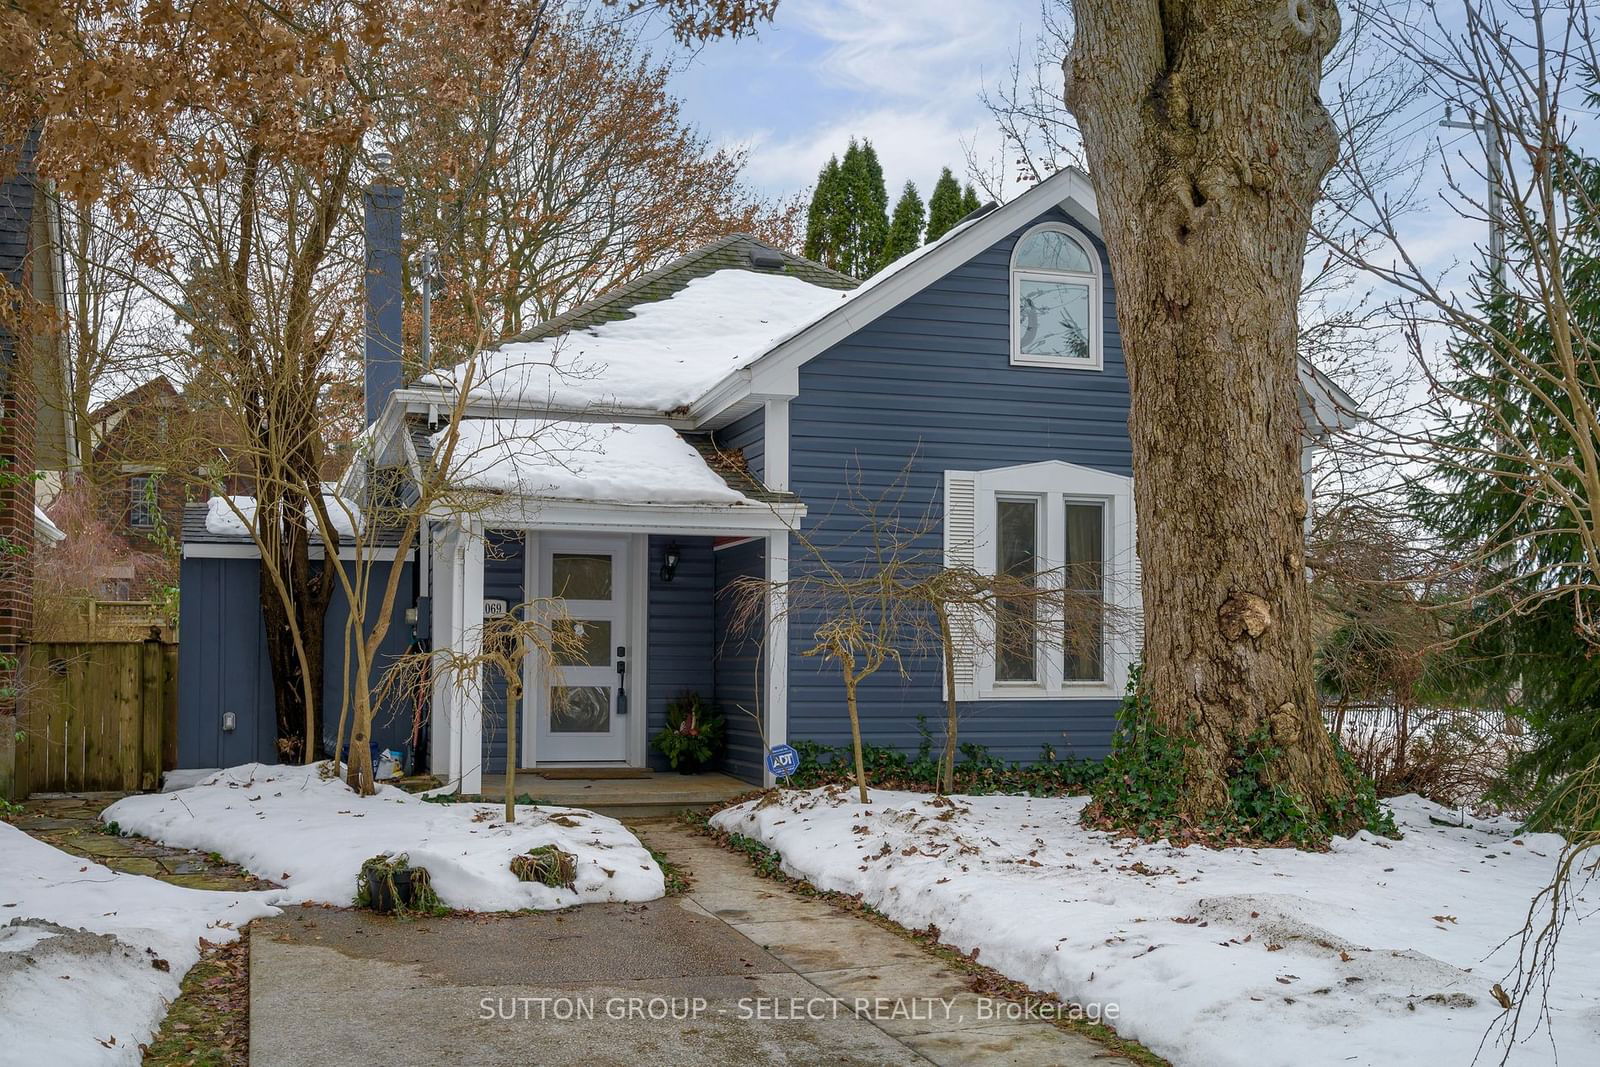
929	387
682	632
738	662
748	434
504	557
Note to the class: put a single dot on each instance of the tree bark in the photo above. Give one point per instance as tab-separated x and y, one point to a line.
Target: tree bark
1208	145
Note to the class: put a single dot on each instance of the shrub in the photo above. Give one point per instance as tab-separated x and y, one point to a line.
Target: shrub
547	865
1140	790
978	771
694	732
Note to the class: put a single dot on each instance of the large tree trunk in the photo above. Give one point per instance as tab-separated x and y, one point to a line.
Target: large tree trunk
1208	144
297	686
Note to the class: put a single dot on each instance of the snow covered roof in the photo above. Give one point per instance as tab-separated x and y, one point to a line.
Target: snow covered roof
593	462
672	341
664	341
215	522
666	355
45	528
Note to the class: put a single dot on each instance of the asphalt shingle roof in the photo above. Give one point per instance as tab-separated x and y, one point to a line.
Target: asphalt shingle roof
729	253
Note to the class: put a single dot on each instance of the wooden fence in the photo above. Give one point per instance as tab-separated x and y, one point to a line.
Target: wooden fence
98	715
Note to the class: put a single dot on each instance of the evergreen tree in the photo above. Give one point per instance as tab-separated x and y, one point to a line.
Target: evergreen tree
1535	657
864	210
821	243
969	201
944	206
848	220
905	228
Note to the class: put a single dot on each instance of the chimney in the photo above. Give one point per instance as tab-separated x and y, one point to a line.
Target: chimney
382	202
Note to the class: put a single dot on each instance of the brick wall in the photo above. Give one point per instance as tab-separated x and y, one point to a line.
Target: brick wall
16	525
18	418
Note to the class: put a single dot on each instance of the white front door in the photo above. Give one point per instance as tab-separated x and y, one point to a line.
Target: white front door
578	719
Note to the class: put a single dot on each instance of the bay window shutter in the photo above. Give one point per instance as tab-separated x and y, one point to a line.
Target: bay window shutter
1136	610
960	551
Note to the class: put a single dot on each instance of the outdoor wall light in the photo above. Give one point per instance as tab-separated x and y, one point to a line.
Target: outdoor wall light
669	562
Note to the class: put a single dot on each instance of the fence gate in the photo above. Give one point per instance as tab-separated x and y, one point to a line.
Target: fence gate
97	715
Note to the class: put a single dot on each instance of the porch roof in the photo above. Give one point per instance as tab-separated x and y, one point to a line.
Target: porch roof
608	474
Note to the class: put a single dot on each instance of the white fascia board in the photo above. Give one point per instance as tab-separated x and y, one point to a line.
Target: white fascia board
439	402
249	550
683	519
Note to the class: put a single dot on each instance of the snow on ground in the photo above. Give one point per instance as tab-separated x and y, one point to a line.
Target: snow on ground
185	777
1375	952
73	997
666	355
311	835
639	463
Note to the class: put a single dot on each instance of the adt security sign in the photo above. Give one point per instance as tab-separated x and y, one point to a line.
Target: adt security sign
783	761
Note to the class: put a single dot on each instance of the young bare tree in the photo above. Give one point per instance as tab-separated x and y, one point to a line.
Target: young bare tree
1208	142
537	632
594	178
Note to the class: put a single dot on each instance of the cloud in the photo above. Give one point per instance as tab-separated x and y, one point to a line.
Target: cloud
906	77
912	143
922	51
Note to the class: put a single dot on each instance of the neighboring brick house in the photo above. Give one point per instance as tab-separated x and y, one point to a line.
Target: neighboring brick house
154	449
35	425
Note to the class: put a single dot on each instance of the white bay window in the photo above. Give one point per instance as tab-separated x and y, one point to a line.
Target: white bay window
1062	529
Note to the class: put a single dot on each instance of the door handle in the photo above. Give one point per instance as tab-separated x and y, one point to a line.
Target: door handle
622	681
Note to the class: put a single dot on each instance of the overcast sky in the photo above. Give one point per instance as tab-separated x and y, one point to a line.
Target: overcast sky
905	76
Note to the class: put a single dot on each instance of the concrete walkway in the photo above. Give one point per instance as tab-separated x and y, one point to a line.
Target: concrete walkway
738	971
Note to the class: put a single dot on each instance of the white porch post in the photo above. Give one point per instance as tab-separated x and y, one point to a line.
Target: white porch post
442	755
469	738
777	648
775	419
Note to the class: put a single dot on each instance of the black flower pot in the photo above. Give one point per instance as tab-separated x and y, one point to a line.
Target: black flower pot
379	895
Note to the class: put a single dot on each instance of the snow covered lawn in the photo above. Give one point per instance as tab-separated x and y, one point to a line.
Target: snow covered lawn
1376	952
311	835
70	997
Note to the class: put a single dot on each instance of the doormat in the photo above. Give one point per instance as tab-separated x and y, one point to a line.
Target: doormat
568	774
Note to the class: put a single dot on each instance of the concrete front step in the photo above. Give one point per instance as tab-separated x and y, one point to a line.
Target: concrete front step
625	798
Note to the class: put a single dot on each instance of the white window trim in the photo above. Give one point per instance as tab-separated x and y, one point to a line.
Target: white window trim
140	502
1094	279
1053	483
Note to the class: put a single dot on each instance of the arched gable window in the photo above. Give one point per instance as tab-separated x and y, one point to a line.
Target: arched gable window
1055	300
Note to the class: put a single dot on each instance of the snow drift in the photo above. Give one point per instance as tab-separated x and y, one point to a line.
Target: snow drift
310	834
90	958
1375	952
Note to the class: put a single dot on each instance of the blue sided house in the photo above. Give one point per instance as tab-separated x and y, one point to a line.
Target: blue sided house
712	421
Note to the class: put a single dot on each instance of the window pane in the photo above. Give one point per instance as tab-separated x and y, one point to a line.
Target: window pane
1016	558
575	577
580	709
1051	250
141	511
1053	318
588	646
1085	591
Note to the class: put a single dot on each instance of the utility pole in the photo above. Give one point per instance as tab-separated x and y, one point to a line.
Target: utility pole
428	263
1497	223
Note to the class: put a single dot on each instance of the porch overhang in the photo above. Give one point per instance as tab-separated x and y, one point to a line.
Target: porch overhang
688	520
